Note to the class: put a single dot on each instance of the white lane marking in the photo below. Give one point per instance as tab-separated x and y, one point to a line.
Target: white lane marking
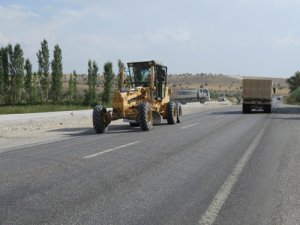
191	125
217	117
109	150
215	206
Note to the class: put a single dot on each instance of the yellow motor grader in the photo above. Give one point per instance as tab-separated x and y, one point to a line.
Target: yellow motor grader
145	104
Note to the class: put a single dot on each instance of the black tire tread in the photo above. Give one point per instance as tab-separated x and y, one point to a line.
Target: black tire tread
98	124
246	108
179	112
144	108
267	108
170	113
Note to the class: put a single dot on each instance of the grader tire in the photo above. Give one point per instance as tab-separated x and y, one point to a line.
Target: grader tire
171	113
179	112
145	116
98	114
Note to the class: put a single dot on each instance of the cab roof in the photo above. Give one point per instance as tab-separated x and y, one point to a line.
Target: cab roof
151	62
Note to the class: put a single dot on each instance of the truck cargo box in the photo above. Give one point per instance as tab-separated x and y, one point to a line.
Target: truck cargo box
257	95
257	89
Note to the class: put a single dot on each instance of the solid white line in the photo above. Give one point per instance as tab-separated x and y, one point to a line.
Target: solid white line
191	125
109	150
215	206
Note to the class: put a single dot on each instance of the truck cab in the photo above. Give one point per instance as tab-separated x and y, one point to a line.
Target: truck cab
203	95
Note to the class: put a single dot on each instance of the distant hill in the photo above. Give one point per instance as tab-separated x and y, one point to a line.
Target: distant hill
219	83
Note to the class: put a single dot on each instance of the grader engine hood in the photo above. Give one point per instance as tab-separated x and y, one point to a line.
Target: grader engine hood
125	103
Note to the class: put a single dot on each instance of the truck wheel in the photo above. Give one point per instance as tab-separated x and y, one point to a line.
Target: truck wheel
183	102
267	108
246	108
179	112
145	116
98	119
171	113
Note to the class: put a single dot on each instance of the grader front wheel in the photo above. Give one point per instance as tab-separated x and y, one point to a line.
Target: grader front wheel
145	116
99	119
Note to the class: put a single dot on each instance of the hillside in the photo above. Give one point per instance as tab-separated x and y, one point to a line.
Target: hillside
219	83
216	83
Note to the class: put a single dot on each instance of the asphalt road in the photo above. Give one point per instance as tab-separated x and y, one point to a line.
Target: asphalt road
216	167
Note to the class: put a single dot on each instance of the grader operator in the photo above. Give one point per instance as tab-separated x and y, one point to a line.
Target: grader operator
145	104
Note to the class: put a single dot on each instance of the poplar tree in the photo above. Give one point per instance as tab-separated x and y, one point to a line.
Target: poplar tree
16	72
72	91
35	84
71	87
43	70
57	74
4	74
28	80
89	82
120	67
108	81
1	75
75	77
92	81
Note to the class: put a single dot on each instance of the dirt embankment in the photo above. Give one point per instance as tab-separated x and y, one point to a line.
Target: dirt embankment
20	130
35	122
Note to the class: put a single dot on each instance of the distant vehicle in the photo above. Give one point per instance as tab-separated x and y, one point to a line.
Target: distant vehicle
184	96
191	95
257	94
222	98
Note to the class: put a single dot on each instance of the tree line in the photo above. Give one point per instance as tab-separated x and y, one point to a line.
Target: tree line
20	85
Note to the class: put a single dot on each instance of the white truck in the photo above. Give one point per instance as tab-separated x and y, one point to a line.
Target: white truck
191	95
203	95
257	95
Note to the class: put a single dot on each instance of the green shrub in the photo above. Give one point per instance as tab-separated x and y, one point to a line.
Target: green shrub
294	97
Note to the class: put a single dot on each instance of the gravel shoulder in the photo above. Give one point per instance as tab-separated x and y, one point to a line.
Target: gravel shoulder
19	130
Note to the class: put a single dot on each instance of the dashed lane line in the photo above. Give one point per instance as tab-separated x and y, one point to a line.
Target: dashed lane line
109	150
191	125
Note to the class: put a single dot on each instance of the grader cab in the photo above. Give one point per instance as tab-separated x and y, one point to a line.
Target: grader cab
145	104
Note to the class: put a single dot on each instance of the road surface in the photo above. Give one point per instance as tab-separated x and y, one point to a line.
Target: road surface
216	167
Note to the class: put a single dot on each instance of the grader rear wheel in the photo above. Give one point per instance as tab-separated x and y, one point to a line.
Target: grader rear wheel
98	119
171	113
179	112
145	116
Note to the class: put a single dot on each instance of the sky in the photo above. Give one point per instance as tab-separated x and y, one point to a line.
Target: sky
232	37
